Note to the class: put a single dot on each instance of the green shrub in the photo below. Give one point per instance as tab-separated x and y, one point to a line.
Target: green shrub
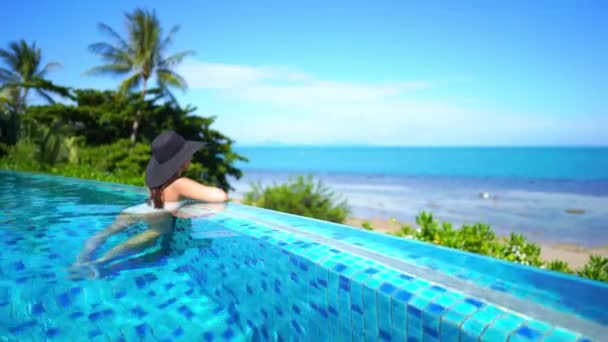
479	238
596	268
300	196
518	249
367	225
431	231
559	266
406	231
429	227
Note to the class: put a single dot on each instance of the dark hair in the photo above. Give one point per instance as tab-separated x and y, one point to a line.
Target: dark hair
156	194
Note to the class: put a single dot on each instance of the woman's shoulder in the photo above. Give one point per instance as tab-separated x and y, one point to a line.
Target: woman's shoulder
181	181
186	187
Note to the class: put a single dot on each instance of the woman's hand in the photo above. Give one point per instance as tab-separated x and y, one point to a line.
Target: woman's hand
199	210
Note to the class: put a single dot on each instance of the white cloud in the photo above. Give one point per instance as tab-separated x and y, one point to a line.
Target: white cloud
204	75
300	108
281	85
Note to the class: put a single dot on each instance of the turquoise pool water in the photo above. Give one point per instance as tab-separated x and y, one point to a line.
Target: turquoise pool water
246	274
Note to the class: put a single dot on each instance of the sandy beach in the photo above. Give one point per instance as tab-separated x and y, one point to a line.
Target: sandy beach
575	256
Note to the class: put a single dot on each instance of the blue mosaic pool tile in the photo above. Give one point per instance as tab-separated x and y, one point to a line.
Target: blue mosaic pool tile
370	336
430	334
334	332
357	323
401	279
384	335
358	337
453	318
344	306
476	323
37	309
403	296
384	307
361	277
374	283
313	331
447	299
539	326
559	334
339	267
398	319
371	270
416	286
387	288
370	314
388	274
428	294
525	332
345	330
331	261
502	327
343	284
431	318
334	328
415	309
414	329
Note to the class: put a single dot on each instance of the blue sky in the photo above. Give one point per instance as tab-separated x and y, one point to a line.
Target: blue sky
363	72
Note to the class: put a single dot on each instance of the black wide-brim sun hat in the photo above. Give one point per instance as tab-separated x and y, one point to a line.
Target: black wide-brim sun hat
169	152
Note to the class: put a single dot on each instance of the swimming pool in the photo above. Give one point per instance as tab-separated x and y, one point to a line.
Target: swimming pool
247	274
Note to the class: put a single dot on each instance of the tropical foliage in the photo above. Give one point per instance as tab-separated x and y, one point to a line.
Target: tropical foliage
301	196
481	239
139	56
22	71
367	225
94	136
91	139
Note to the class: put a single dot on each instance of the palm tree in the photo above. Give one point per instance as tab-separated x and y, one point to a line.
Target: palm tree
139	56
23	71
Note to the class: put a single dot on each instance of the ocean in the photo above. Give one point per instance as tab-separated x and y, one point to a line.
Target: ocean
556	195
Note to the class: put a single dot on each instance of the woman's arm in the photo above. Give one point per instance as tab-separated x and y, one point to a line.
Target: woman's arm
194	190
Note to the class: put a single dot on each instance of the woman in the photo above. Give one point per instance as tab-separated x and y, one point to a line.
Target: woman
171	155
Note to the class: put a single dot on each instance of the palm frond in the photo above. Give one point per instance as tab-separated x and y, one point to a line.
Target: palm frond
107	30
48	67
10	56
5	95
139	55
45	96
167	77
8	86
29	57
132	82
111	69
40	84
7	76
47	85
111	53
169	38
177	58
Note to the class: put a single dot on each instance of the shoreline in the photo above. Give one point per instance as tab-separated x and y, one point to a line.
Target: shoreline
545	211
